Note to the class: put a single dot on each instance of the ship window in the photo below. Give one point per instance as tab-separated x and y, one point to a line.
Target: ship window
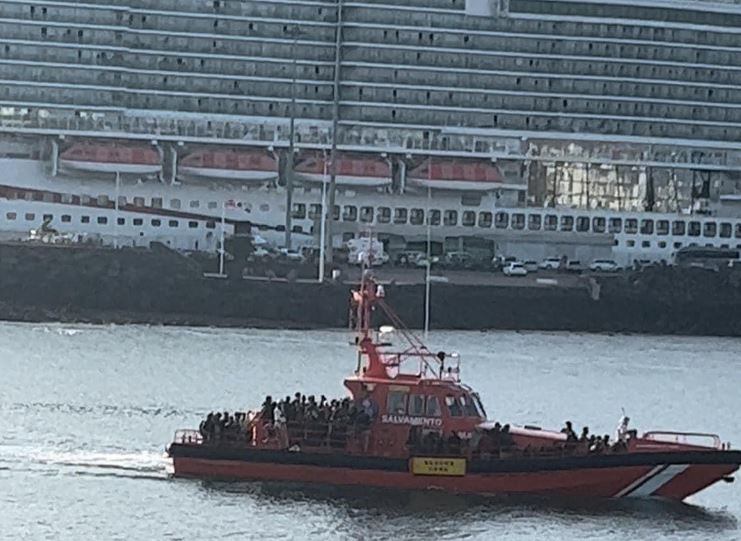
678	227
210	224
47	217
677	245
193	224
615	225
432	406
598	225
315	211
551	222
662	227
646	244
156	222
485	219
453	406
265	207
64	198
567	223
400	216
662	244
501	220
694	229
630	243
737	232
299	211
336	213
417	405
102	220
297	229
710	229
157	202
48	197
469	406
121	221
195	204
103	200
383	215
582	224
647	227
396	403
518	221
725	230
138	221
10	215
450	217
417	217
366	214
434	216
213	204
121	200
349	213
631	226
533	222
469	218
85	219
138	201
173	223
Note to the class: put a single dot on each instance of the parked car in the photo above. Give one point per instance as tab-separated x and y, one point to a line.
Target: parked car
291	255
604	265
515	269
408	258
500	261
422	261
531	266
551	263
573	265
458	260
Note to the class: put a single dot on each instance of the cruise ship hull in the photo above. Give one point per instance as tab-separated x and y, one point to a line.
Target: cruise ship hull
673	476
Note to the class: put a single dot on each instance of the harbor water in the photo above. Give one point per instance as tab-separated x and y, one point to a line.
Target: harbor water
86	411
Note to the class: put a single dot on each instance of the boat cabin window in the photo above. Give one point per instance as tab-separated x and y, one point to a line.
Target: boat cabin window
567	223
174	203
212	205
400	216
157	202
396	403
156	222
598	225
453	406
582	224
647	227
615	225
737	232
485	219
138	201
349	213
138	221
518	221
121	221
725	230
84	219
10	215
417	405
501	220
102	220
678	228
533	222
710	229
432	406
195	204
662	227
631	226
434	216
551	222
450	217
298	211
315	211
693	230
383	215
417	217
366	214
469	218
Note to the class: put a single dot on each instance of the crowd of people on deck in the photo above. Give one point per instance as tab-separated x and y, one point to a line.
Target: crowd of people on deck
592	443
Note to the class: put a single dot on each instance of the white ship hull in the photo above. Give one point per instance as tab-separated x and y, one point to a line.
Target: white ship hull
229	174
101	167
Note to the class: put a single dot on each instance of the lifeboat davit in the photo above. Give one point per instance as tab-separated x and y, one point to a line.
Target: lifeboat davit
409	422
111	158
230	164
452	174
351	170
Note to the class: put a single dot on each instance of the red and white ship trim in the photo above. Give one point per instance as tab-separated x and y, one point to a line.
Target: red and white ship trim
230	164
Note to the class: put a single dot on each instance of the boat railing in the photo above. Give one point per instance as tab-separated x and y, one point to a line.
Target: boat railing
699	439
188	436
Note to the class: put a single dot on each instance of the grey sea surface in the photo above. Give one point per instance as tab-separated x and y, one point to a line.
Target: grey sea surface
86	411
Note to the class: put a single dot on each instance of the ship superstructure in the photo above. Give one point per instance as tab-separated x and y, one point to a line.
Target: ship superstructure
473	115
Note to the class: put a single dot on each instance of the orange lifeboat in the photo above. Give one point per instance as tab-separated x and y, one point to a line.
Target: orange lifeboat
230	164
111	158
454	174
352	170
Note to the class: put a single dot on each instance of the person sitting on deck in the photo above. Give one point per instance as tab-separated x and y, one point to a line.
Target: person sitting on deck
584	435
569	431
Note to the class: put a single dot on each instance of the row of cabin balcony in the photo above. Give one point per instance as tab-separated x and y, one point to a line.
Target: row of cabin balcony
536	45
550	83
387	15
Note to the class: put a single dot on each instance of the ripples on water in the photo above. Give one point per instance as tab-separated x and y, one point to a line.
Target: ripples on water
85	413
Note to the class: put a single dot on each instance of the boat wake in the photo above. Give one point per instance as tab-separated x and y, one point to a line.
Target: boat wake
133	464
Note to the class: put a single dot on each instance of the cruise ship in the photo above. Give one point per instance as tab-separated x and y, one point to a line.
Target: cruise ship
526	128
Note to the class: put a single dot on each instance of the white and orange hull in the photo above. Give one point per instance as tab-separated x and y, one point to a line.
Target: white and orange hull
346	180
229	174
